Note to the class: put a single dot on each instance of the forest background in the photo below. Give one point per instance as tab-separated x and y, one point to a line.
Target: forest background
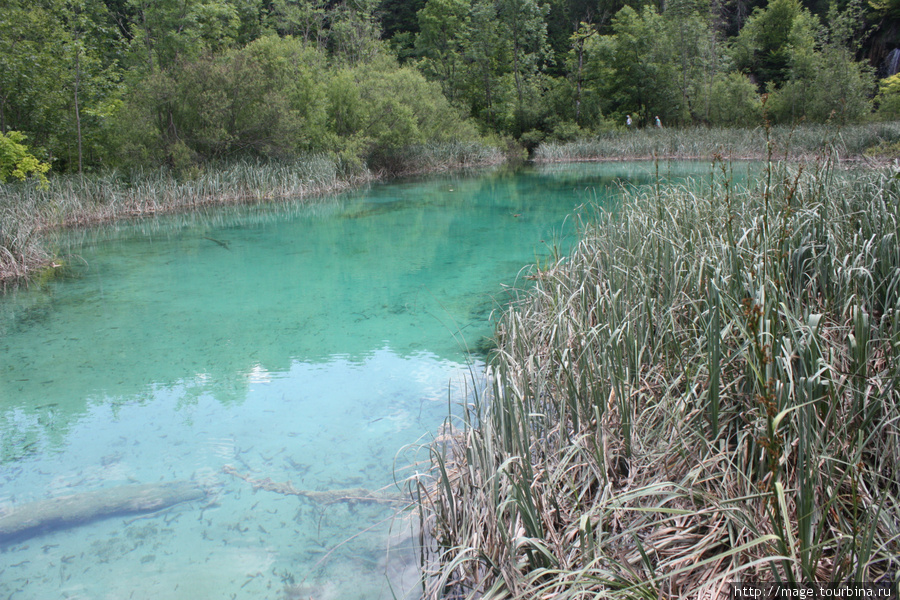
88	84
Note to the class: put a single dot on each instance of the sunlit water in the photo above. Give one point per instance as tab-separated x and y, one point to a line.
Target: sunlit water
316	345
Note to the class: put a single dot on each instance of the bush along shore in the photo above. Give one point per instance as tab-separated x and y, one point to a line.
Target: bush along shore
704	392
28	210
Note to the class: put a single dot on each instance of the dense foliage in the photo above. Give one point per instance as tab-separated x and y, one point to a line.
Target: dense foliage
95	83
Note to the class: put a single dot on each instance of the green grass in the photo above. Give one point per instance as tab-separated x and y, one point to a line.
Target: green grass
703	392
803	142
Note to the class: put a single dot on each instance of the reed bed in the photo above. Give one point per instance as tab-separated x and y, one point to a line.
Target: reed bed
804	142
703	393
70	200
27	211
20	242
440	156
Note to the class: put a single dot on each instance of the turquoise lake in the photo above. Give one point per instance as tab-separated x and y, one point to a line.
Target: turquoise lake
316	345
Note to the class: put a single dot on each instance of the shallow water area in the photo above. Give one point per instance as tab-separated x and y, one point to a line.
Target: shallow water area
249	347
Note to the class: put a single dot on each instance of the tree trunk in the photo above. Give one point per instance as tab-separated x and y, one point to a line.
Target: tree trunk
77	106
28	520
578	81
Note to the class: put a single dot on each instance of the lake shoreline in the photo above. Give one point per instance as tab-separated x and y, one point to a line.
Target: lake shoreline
866	161
107	198
873	144
73	208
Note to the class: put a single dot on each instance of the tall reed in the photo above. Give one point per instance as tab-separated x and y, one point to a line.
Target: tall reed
27	211
114	194
20	242
803	142
704	392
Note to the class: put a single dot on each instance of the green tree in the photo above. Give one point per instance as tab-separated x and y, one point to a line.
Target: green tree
59	80
278	98
734	101
88	79
566	17
443	32
400	108
266	99
823	82
633	67
253	16
354	32
303	18
484	56
400	17
575	63
697	57
775	41
888	98
525	30
165	31
25	64
17	162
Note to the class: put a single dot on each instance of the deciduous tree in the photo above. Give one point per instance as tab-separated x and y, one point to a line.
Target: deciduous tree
17	161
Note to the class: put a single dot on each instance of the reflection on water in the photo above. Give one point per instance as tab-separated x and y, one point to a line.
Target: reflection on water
301	344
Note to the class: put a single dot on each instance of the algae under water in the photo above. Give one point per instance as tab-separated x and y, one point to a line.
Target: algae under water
311	344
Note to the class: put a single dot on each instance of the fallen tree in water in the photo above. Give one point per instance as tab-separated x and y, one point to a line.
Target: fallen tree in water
287	488
34	518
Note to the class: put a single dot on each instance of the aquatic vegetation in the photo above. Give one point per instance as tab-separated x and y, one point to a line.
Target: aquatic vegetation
71	200
20	246
441	156
803	142
703	392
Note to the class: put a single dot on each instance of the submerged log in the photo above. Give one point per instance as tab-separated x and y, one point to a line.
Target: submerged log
286	488
27	520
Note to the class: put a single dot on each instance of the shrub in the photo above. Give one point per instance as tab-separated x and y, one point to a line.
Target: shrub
888	99
733	101
17	162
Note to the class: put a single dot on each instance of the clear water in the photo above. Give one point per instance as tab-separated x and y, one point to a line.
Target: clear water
315	345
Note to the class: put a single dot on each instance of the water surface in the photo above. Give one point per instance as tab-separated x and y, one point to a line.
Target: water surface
306	344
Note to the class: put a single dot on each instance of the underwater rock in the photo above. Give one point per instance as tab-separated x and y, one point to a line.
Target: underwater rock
27	520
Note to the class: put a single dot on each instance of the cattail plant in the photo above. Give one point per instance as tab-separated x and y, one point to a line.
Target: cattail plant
705	391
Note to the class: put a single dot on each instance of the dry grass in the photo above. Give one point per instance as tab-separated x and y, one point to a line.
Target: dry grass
798	143
28	211
703	392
